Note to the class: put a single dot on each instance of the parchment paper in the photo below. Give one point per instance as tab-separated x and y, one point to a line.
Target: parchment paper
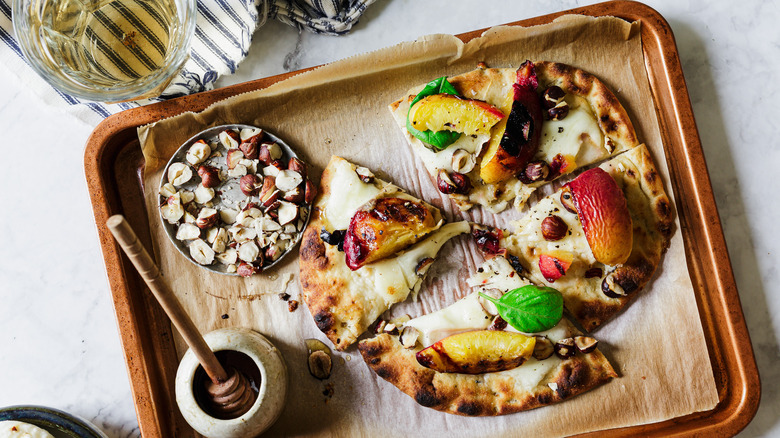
656	345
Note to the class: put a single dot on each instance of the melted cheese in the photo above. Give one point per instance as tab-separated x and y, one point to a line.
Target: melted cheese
497	273
532	373
529	231
443	159
562	330
467	313
390	281
464	315
347	194
578	135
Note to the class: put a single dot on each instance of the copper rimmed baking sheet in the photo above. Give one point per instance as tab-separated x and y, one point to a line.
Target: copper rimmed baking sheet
113	159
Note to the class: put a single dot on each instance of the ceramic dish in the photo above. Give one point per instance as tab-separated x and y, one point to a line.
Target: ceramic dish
228	195
58	423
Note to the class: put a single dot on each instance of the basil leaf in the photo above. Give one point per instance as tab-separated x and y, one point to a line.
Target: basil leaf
436	86
438	139
530	309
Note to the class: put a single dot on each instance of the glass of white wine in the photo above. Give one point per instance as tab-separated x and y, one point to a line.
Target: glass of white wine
106	50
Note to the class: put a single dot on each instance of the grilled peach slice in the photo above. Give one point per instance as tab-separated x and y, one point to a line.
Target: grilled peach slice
478	351
385	226
440	112
601	207
514	142
554	264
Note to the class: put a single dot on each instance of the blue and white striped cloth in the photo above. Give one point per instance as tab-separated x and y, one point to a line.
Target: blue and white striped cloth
222	37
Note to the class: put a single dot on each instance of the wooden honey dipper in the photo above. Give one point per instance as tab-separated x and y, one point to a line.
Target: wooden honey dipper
230	392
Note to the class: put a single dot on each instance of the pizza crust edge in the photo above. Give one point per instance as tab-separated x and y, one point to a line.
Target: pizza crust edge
610	114
487	394
321	290
651	240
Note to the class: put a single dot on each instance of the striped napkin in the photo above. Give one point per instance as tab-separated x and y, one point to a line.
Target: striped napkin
222	37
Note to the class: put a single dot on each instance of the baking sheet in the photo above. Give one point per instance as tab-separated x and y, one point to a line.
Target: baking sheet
656	345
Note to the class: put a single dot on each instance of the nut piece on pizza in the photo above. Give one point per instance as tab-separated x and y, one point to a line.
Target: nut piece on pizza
553	119
368	246
598	239
465	360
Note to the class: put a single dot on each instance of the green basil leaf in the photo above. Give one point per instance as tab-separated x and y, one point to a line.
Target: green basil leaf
530	309
436	86
438	139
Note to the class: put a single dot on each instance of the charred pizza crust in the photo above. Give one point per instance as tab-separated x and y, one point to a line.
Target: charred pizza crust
652	217
486	394
494	86
324	293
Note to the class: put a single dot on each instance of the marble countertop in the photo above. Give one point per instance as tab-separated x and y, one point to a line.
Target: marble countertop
58	335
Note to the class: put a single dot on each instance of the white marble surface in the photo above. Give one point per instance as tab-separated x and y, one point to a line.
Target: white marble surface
58	335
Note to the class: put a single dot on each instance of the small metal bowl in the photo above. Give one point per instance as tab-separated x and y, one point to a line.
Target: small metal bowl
54	421
230	193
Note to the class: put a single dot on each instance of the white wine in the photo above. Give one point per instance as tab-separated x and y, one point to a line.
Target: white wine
107	43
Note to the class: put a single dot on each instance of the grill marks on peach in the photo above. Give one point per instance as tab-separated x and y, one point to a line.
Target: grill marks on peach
385	227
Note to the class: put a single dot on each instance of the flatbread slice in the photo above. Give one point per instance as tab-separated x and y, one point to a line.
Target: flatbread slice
596	127
342	301
533	384
593	291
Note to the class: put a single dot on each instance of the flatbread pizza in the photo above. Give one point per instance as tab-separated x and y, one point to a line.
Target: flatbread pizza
491	137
